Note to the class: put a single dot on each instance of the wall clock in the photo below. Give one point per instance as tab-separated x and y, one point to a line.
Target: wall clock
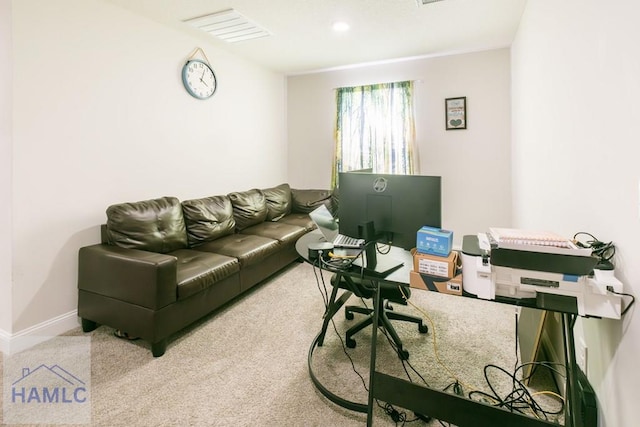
199	79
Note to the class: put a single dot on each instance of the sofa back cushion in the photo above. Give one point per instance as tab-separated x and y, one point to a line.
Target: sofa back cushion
249	208
305	201
208	219
152	225
278	201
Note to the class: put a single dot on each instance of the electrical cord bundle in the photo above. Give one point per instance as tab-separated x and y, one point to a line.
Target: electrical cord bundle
399	417
605	252
519	399
325	297
457	382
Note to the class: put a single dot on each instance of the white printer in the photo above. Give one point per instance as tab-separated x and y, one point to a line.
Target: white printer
559	282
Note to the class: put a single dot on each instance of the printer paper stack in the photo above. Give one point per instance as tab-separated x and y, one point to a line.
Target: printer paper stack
534	241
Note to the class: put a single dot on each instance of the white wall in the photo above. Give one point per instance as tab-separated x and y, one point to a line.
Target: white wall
474	163
101	117
575	159
5	169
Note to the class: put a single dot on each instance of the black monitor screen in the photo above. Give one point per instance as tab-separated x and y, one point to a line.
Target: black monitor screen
396	206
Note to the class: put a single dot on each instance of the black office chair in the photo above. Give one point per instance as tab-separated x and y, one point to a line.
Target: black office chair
388	294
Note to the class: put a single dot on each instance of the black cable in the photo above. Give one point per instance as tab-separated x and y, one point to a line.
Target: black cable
380	251
547	365
518	400
633	299
394	414
335	328
604	251
395	348
325	295
344	350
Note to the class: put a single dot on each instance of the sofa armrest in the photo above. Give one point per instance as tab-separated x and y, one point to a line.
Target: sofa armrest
138	277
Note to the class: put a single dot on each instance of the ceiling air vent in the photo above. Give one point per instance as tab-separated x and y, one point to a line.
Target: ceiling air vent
229	25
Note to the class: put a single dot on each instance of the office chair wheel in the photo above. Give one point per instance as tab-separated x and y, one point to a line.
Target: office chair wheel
348	315
351	343
422	328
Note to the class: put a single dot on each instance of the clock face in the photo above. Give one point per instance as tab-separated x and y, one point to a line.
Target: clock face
199	79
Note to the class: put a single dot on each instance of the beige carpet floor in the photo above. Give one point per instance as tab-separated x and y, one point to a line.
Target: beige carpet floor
246	364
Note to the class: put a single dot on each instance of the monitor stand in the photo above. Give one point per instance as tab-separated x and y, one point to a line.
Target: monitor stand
373	266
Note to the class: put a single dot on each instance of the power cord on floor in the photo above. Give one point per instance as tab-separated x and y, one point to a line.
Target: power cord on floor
435	345
320	279
519	399
398	417
394	414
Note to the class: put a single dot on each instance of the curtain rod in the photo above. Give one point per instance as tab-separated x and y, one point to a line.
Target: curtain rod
369	84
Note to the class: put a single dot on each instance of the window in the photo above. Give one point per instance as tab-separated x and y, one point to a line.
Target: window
374	129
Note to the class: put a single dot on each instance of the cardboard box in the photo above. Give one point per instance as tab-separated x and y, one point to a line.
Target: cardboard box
434	241
435	265
436	284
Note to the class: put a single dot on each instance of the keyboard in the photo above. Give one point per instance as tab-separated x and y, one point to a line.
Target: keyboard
342	241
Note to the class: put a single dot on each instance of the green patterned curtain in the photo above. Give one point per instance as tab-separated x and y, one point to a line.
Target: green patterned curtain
374	129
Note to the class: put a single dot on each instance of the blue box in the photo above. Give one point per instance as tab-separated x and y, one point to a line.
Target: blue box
434	241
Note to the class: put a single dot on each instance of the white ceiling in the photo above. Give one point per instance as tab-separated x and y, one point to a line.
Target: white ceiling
302	39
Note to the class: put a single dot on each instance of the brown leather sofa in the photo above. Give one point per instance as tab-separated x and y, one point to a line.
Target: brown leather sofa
163	264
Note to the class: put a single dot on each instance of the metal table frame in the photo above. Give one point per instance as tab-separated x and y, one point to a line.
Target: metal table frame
424	400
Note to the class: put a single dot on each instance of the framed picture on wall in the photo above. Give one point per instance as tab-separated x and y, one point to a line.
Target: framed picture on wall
456	113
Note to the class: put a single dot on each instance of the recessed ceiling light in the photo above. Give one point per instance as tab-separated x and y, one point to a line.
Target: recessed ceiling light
340	26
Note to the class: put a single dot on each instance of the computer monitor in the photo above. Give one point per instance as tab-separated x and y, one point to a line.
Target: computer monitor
388	208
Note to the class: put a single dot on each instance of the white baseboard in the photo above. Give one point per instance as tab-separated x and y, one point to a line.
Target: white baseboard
27	338
5	338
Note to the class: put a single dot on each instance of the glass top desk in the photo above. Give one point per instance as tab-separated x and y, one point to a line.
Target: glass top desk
440	405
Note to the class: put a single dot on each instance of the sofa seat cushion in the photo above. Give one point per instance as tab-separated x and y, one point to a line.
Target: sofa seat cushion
151	225
285	233
198	270
248	249
299	219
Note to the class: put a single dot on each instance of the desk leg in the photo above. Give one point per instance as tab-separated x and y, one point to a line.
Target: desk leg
332	308
372	364
570	361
